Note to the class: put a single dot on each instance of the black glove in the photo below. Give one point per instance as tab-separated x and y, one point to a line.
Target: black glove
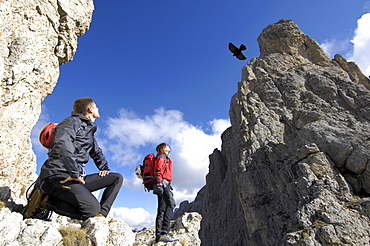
158	189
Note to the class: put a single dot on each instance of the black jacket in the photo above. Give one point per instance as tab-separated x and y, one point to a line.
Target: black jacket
72	145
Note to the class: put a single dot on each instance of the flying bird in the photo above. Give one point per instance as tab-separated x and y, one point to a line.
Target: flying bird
237	51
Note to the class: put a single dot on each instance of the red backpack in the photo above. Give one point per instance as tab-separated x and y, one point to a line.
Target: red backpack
146	172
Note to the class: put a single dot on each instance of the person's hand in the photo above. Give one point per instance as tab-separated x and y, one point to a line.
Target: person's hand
80	180
104	173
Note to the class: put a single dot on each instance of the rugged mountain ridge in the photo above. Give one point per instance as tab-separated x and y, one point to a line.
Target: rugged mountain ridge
294	168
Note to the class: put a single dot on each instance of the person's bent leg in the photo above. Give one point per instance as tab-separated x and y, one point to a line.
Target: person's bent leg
112	184
71	199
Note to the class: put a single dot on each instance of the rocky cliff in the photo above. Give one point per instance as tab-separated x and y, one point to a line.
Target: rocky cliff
36	36
294	168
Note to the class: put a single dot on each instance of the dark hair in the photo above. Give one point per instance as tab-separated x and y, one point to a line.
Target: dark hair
161	148
82	104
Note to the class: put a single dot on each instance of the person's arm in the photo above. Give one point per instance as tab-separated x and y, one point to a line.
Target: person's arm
97	155
160	165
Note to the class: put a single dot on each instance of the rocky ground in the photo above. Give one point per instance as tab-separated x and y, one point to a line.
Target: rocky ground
61	230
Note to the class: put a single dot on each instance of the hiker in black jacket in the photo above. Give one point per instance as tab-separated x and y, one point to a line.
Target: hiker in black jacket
63	176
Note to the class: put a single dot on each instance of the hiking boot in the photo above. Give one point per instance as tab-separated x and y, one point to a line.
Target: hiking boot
99	215
44	215
36	204
167	239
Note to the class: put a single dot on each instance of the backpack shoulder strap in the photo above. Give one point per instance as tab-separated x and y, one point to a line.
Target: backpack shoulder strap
162	155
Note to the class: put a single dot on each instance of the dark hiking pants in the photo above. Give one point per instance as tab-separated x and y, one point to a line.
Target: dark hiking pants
76	200
166	204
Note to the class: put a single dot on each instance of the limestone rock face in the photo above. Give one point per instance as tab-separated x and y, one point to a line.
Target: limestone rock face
294	168
36	37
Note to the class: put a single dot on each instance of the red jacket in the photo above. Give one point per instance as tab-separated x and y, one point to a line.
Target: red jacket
163	168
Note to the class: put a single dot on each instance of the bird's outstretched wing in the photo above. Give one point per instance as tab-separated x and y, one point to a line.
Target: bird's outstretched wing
233	48
240	56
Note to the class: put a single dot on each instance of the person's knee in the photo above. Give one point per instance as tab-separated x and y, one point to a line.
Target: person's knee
92	211
118	178
169	200
160	215
89	207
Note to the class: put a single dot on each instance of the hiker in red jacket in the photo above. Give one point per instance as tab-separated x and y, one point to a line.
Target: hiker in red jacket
162	188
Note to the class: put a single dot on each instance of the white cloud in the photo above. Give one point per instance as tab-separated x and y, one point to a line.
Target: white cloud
190	145
355	49
219	126
135	132
367	7
135	217
133	183
361	44
335	46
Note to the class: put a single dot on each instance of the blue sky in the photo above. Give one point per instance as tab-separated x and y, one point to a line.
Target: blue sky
161	71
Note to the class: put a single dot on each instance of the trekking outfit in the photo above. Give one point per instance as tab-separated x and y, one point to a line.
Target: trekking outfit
166	203
72	144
